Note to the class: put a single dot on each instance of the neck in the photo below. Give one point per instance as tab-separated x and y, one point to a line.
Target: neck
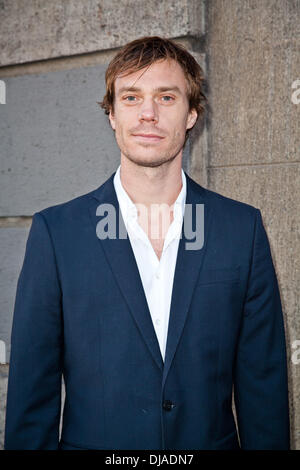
148	185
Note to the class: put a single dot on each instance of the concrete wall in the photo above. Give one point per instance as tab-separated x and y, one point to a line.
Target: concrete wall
55	142
253	136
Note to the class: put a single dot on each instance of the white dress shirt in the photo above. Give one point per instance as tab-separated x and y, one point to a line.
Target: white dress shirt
156	275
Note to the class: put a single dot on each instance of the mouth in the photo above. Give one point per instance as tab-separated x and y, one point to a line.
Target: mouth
148	137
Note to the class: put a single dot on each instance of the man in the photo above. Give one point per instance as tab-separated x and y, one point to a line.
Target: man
151	331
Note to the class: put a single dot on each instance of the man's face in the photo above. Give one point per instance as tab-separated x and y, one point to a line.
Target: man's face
151	114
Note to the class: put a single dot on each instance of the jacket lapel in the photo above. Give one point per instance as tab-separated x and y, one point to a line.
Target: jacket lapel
188	266
121	258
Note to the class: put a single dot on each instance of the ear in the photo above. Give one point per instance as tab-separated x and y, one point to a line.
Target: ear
192	118
112	120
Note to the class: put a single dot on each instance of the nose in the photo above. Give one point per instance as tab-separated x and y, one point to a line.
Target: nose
148	111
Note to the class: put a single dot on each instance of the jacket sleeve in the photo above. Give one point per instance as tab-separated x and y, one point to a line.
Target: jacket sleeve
260	375
35	371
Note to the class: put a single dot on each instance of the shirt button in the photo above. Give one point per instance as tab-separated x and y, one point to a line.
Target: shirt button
157	275
168	405
157	322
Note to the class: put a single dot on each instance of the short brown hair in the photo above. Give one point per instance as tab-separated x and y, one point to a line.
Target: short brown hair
143	52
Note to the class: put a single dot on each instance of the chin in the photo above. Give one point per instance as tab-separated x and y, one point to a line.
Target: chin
150	162
145	159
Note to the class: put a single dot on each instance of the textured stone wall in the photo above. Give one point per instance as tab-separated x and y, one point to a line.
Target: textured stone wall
68	27
253	136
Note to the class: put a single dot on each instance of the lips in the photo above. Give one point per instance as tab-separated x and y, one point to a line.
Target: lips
148	137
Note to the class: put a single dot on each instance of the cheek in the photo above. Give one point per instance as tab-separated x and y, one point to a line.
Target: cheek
124	122
119	126
180	130
175	124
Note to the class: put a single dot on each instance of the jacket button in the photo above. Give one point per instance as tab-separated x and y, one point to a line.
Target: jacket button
168	405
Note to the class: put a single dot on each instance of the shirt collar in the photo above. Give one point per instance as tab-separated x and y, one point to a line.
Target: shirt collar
128	208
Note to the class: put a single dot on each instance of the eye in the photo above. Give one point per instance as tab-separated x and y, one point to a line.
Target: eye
129	98
167	98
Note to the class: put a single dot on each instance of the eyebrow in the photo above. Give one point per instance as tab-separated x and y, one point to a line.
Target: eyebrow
160	89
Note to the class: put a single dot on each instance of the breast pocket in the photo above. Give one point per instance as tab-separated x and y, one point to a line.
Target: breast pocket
220	275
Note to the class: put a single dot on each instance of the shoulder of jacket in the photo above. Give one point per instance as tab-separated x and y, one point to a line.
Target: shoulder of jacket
224	203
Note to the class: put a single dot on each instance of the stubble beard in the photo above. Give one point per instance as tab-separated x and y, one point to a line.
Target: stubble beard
166	157
136	157
161	160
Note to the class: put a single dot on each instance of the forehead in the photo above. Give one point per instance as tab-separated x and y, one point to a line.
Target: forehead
165	73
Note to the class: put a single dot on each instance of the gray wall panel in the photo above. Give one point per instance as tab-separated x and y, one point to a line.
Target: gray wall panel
12	250
55	140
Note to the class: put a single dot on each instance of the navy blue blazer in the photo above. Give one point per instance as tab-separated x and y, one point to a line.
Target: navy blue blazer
81	313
